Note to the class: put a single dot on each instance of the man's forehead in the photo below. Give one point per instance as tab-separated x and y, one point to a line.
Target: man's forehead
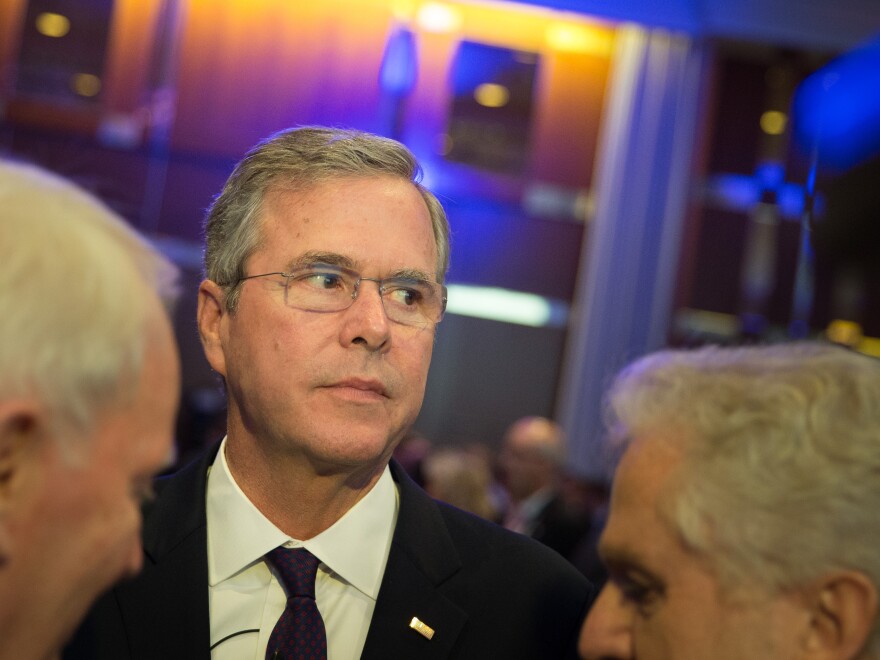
619	552
645	468
283	221
634	519
286	192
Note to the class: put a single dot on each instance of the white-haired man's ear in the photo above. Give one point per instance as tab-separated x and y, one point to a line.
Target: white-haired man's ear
19	449
843	611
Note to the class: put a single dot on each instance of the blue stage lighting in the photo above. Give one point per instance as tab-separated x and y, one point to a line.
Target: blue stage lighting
837	109
397	75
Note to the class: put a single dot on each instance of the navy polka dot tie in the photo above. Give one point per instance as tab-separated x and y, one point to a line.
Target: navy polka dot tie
299	633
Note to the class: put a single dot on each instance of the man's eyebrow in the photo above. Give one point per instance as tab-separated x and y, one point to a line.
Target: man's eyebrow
335	259
410	274
622	560
316	257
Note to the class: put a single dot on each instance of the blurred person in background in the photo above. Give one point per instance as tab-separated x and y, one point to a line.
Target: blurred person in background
532	465
461	478
745	511
89	386
410	453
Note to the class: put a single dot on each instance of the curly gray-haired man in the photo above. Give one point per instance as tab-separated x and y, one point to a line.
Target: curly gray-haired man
745	514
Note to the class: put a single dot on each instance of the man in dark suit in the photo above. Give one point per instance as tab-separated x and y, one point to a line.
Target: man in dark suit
532	461
325	262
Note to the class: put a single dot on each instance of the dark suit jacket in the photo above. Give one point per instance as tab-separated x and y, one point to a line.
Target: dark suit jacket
561	526
487	593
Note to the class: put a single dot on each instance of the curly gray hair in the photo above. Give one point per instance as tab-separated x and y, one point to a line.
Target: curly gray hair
782	445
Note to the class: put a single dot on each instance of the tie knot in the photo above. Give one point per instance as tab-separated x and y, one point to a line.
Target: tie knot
298	568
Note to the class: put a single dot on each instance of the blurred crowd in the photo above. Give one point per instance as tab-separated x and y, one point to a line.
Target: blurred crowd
525	485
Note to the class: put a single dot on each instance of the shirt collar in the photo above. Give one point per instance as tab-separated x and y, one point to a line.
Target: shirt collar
355	547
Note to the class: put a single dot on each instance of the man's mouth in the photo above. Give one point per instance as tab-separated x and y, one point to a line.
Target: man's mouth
368	388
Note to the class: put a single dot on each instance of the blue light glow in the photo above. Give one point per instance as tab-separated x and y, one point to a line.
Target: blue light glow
790	198
737	191
837	109
397	75
770	174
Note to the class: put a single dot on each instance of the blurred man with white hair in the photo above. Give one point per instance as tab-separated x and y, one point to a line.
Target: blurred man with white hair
745	513
89	385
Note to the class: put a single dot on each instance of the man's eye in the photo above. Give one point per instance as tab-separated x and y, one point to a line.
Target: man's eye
634	592
326	281
408	297
643	596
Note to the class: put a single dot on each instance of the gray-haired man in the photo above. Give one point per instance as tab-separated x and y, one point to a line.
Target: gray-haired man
325	264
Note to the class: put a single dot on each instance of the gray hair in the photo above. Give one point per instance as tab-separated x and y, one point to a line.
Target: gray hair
77	287
782	445
294	160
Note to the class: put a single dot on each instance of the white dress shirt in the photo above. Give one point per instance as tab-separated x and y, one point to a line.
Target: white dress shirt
246	596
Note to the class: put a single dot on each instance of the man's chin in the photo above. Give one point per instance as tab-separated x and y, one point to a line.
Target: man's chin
361	459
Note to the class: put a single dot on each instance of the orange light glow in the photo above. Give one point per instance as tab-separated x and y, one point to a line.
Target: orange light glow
86	84
54	25
403	10
844	332
572	38
438	17
773	122
491	95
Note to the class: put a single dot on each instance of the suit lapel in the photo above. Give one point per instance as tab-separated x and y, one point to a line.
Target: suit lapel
171	596
422	557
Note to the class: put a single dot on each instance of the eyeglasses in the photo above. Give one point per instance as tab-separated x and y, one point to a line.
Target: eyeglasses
327	288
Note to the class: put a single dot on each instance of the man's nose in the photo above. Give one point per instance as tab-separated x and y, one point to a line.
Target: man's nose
607	630
365	320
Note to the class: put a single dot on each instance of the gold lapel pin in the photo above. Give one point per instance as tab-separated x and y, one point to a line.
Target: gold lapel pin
423	629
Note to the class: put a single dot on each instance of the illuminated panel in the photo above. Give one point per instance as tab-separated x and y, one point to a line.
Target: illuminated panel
497	304
56	48
490	115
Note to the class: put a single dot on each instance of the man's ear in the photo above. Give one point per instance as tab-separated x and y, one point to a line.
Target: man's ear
211	313
21	424
20	421
843	608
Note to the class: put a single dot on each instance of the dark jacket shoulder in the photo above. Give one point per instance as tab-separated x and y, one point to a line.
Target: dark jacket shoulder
497	593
